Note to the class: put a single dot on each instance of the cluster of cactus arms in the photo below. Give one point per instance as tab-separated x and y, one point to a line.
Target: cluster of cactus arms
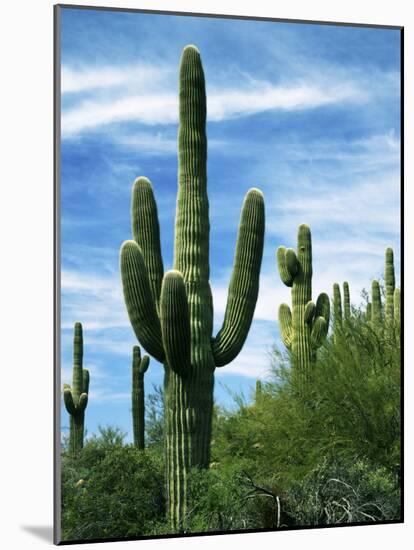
172	314
305	326
389	315
339	312
76	396
139	368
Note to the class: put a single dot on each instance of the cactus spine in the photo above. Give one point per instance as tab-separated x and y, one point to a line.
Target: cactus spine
172	315
139	368
304	328
76	396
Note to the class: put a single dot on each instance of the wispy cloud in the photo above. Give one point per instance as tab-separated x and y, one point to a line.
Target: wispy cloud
149	105
85	79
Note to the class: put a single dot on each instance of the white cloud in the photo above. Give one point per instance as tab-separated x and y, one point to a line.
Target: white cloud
151	104
93	78
95	300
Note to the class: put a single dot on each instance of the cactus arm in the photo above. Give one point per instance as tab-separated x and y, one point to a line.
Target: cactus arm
323	308
175	322
397	305
285	322
244	283
68	400
389	284
310	310
376	303
138	299
347	301
146	232
83	402
144	364
287	269
319	331
85	381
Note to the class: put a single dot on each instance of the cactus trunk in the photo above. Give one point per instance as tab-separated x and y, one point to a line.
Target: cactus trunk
139	367
76	433
174	320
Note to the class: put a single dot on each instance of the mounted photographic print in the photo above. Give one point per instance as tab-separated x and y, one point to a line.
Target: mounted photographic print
228	274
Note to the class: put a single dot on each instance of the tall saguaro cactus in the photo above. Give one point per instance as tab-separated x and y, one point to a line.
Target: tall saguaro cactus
305	327
76	396
139	368
172	314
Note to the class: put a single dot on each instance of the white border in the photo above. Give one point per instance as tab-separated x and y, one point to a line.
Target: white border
26	269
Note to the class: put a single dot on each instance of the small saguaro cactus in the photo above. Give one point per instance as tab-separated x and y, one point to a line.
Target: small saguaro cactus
347	301
379	315
139	368
337	308
341	311
259	391
172	314
376	307
304	328
76	396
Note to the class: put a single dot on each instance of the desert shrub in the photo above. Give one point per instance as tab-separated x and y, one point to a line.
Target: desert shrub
109	492
344	493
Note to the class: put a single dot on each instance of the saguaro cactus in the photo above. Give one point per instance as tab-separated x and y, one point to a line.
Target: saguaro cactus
305	327
380	316
172	315
259	391
376	308
347	301
139	368
389	286
341	311
76	396
337	308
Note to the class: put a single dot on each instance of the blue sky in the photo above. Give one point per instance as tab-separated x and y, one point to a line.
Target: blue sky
310	114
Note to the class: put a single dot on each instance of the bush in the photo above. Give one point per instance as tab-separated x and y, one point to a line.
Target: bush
111	491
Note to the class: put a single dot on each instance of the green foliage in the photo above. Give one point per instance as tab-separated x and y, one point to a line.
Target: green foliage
327	454
154	426
345	493
344	425
111	491
172	314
